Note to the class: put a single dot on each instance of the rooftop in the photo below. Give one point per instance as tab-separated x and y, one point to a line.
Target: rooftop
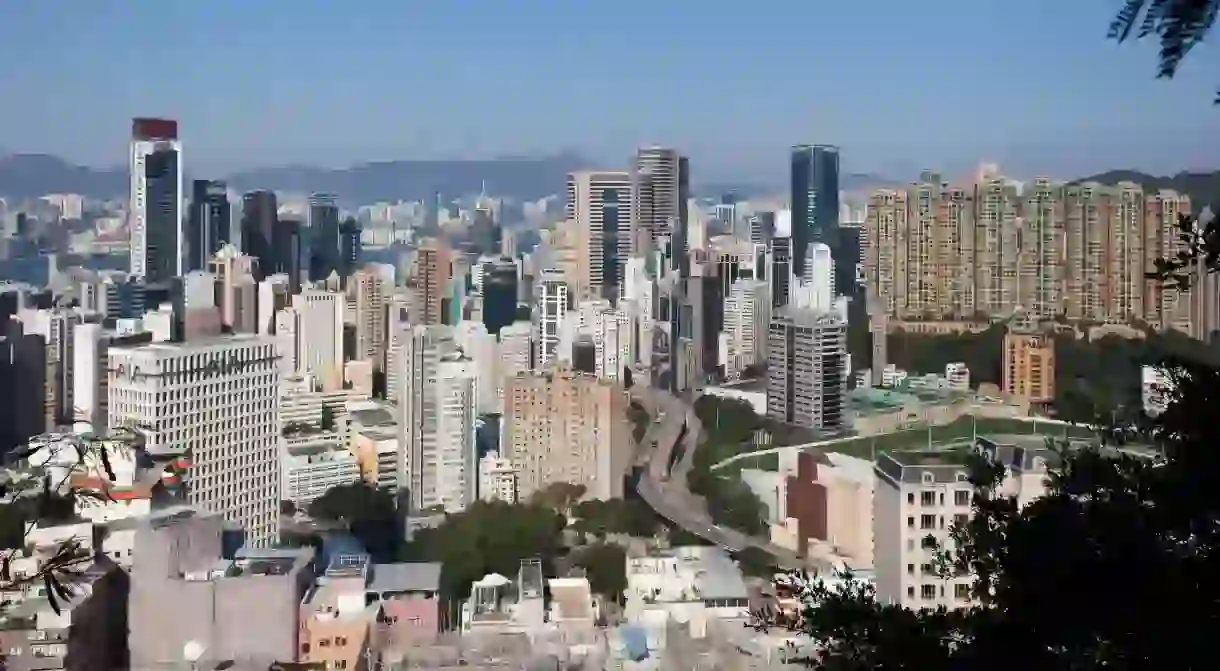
406	577
955	457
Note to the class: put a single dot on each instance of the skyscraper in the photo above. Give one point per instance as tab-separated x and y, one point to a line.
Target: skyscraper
659	194
599	204
499	294
815	203
287	251
323	236
208	224
258	216
350	250
806	377
155	200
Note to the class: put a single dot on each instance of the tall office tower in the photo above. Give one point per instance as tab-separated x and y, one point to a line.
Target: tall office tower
815	202
259	213
208	223
215	403
885	254
23	376
319	335
288	251
430	279
436	416
659	192
818	283
780	270
366	291
563	426
274	294
1168	307
485	232
323	236
236	289
600	203
878	327
703	319
499	294
481	349
155	221
56	327
747	315
806	383
549	313
762	227
350	250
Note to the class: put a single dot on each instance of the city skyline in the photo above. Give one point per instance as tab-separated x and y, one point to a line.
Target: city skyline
490	87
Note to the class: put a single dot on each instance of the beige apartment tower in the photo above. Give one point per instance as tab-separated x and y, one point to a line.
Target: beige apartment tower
565	426
1029	366
934	251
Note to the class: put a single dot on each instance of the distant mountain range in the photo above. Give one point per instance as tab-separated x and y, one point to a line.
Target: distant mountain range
1202	187
32	175
25	176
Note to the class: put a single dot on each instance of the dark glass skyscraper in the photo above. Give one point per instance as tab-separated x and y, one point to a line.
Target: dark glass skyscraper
258	217
350	250
499	294
208	225
289	255
323	236
815	201
161	214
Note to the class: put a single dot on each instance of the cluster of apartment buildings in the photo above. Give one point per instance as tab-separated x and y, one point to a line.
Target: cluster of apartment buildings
996	247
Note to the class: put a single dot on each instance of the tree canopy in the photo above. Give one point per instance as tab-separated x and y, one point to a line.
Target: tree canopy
489	537
369	514
605	566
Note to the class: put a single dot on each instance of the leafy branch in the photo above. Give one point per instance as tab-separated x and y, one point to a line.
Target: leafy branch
1179	25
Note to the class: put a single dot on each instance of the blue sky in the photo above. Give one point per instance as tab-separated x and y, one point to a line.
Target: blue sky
899	84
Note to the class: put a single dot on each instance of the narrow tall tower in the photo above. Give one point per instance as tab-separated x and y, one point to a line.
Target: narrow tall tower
155	221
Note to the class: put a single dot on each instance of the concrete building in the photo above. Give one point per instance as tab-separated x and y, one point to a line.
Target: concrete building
215	403
481	348
430	281
659	191
86	630
1029	366
570	427
311	469
316	324
599	204
497	479
190	605
747	316
550	311
437	414
274	294
366	292
920	496
806	376
828	508
237	288
682	584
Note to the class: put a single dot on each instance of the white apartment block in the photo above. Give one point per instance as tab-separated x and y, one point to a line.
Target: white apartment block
312	469
806	361
313	331
920	496
481	348
437	414
368	299
90	346
549	315
747	313
497	479
214	402
516	350
612	341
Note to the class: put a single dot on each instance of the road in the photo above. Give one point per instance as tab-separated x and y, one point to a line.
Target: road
667	493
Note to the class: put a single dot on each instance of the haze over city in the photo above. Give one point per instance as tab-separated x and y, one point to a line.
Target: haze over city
1033	86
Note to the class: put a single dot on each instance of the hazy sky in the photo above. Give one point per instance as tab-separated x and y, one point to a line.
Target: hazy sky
899	84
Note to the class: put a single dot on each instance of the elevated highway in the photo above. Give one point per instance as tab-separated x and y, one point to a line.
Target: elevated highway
665	489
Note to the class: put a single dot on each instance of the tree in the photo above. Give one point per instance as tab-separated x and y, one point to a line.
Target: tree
605	565
756	562
367	512
1179	25
489	537
560	496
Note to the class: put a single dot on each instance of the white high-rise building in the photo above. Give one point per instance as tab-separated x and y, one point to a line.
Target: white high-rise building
747	313
515	351
480	347
612	341
319	335
806	383
155	220
212	403
549	315
437	396
90	346
274	294
815	290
